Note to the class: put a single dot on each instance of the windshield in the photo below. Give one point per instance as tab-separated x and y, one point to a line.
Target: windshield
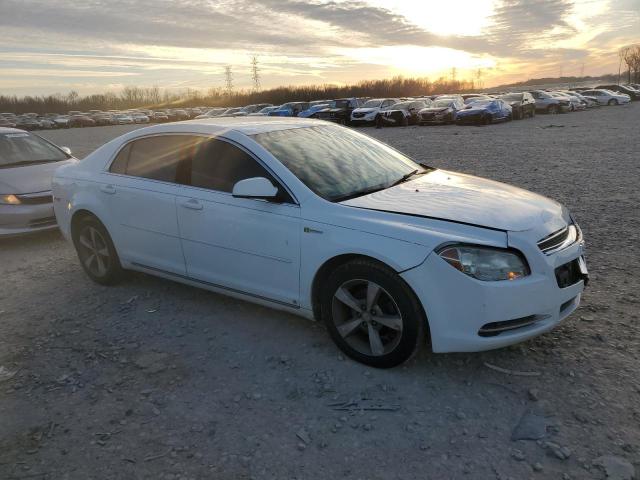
512	97
372	103
335	162
442	103
479	103
340	103
22	147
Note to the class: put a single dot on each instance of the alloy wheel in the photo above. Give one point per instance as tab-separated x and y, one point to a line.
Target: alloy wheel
94	252
367	317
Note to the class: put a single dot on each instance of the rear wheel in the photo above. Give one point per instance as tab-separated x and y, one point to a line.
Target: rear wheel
96	252
371	314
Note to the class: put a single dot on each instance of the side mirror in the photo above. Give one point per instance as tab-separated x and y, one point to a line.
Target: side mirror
257	187
66	150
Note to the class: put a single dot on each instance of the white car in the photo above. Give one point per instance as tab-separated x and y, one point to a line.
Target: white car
123	119
367	113
139	118
607	97
327	223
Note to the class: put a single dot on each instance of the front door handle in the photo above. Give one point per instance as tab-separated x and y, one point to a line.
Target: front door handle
192	204
110	189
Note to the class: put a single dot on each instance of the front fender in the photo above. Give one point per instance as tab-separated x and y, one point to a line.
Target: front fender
321	243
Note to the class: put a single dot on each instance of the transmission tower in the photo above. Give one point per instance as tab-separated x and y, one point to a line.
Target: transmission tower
228	79
255	73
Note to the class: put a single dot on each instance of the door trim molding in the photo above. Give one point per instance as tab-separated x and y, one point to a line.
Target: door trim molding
215	285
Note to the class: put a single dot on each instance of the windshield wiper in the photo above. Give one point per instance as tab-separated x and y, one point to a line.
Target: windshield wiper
367	191
406	177
359	193
27	162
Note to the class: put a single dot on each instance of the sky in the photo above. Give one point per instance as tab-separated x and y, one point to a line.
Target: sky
92	46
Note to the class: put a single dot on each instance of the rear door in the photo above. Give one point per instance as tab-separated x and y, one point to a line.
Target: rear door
140	189
244	245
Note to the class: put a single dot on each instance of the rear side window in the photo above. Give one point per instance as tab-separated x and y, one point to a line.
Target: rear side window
156	158
218	165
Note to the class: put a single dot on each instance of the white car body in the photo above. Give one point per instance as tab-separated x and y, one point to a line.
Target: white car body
271	253
367	114
123	119
607	97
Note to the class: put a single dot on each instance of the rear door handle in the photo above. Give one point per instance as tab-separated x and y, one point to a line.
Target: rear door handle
110	189
192	204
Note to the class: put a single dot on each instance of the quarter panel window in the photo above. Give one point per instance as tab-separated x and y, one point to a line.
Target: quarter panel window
119	164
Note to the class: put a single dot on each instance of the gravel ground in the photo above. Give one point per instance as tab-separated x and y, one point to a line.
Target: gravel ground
152	379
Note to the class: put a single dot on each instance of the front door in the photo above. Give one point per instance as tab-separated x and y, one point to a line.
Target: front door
244	245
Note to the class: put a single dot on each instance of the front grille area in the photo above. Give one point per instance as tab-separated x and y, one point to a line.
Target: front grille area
36	198
569	274
496	328
358	115
559	239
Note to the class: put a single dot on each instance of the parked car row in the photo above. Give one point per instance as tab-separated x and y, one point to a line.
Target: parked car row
92	118
472	108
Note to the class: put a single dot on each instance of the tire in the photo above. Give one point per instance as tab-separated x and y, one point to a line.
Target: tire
532	113
486	120
96	252
357	329
552	109
613	101
404	122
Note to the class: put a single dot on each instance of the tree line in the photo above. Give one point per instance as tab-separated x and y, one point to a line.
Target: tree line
630	57
154	98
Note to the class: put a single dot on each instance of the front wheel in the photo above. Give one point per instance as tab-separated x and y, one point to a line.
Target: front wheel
552	109
372	315
613	101
96	252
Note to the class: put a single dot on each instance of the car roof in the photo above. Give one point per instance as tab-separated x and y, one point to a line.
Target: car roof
244	125
11	130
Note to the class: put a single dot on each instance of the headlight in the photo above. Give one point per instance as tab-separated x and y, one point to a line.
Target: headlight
485	263
9	200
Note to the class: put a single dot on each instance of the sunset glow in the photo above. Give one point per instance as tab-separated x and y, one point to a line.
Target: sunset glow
57	46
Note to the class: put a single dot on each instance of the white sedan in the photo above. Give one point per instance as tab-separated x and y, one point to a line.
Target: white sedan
327	223
607	97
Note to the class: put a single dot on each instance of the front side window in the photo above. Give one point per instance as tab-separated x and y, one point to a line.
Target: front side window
337	163
219	165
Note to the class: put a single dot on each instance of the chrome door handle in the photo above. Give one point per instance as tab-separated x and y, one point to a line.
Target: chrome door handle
192	204
110	189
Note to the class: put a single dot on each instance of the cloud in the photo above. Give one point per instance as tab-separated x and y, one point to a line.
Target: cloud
189	41
518	24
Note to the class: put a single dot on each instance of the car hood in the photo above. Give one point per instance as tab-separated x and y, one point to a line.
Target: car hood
473	110
469	200
30	178
435	109
366	110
